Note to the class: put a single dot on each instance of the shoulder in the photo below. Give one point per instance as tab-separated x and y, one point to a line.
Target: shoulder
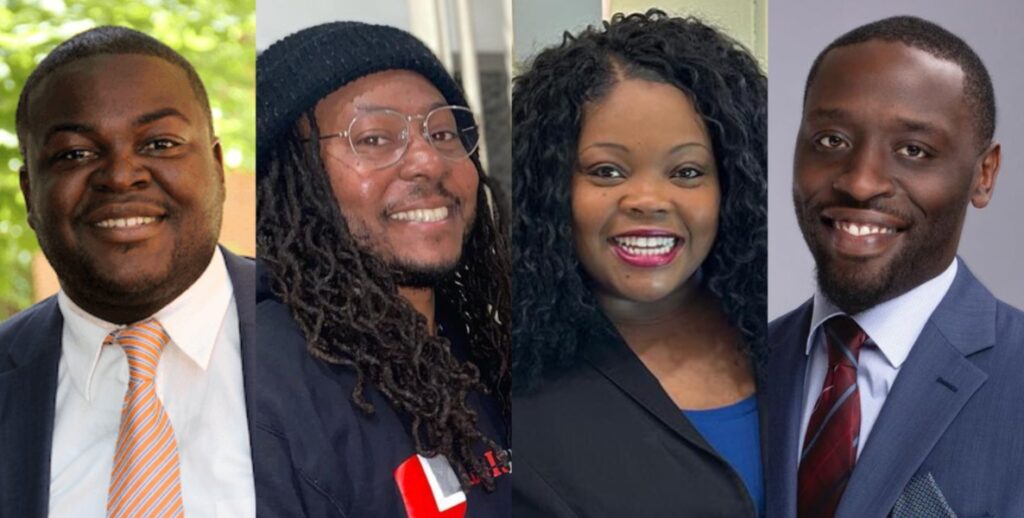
27	324
796	321
1009	322
1009	343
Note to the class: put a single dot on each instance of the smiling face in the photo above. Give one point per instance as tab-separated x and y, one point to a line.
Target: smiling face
645	196
123	182
415	213
886	162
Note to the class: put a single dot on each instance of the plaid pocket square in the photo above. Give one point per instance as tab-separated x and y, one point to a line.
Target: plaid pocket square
922	498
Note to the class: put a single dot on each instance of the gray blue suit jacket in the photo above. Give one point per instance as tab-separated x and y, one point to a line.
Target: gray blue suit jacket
30	348
949	440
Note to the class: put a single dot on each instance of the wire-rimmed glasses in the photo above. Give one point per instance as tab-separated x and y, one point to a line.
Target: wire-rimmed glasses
381	137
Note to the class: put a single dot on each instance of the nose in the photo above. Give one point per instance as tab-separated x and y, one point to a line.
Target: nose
122	171
644	196
421	160
866	174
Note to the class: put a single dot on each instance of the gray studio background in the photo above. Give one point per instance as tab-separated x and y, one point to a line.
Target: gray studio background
991	243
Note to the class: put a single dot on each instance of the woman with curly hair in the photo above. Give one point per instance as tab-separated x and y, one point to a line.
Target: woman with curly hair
639	248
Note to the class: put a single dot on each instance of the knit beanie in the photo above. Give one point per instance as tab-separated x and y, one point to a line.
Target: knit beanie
296	72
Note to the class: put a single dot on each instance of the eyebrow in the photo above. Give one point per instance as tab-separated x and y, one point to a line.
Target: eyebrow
917	126
902	123
621	147
832	114
375	107
79	127
67	127
154	116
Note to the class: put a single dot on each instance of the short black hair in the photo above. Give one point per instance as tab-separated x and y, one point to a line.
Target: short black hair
107	39
939	42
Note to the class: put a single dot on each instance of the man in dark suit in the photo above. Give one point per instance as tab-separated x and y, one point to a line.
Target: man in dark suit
123	394
895	390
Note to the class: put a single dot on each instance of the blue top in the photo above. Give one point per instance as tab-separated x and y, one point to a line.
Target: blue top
734	433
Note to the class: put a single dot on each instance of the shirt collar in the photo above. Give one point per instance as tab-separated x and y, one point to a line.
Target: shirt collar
893	325
193	321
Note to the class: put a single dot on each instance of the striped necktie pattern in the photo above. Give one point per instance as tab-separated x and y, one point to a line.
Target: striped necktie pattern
146	480
833	432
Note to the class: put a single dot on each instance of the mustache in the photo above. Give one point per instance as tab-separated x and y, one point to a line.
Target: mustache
97	202
874	204
422	191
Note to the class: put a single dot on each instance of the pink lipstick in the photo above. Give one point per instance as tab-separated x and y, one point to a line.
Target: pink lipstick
644	248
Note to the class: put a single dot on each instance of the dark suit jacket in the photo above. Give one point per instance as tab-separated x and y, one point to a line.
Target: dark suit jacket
30	348
604	439
320	456
955	412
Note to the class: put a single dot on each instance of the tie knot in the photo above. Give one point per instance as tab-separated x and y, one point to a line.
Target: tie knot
845	339
142	343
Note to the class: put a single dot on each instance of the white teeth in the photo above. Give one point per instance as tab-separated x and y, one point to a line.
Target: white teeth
422	215
861	230
125	222
636	245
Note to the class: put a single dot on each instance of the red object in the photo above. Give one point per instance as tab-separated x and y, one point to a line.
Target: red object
830	445
427	490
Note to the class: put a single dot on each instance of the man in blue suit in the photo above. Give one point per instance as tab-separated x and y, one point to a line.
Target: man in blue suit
124	395
895	390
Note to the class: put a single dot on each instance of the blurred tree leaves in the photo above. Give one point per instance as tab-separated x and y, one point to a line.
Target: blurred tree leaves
217	36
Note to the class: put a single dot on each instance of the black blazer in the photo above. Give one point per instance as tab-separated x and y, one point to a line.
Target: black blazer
604	439
30	348
320	456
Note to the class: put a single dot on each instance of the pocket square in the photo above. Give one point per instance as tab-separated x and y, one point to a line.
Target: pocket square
922	498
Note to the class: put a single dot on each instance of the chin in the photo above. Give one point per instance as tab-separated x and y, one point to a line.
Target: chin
645	295
423	275
854	290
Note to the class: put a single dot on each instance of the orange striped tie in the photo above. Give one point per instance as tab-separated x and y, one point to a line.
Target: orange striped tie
145	481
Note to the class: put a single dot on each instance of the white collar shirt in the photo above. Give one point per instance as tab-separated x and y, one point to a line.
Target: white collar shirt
199	381
893	327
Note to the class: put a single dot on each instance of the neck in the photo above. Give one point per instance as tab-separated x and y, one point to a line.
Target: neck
656	318
422	300
684	320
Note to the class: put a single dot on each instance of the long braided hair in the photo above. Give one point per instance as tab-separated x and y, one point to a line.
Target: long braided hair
346	303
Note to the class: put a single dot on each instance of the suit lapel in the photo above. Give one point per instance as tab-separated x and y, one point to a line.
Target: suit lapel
616	361
243	280
28	393
781	404
933	385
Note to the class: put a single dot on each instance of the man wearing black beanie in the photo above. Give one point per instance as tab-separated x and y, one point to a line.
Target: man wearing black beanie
383	285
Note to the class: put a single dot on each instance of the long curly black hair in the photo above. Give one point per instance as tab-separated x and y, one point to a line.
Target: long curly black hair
555	314
346	303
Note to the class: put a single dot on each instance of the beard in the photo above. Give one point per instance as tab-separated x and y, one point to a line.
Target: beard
857	285
415	276
408	272
92	284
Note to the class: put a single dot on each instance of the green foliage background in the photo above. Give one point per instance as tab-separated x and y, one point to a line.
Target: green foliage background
217	36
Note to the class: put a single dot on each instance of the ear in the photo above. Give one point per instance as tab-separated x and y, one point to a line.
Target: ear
26	192
218	157
984	182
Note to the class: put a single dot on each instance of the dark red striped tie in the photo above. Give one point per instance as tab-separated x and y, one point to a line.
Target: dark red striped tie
830	445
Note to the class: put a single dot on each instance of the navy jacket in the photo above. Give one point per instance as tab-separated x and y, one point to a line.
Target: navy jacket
951	430
30	348
319	455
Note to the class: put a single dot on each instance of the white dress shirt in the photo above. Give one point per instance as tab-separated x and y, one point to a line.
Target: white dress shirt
199	382
893	326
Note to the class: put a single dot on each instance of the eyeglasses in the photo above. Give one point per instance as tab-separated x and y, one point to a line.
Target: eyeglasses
380	138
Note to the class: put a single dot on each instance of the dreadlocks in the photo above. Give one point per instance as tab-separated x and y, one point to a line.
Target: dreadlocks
346	303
